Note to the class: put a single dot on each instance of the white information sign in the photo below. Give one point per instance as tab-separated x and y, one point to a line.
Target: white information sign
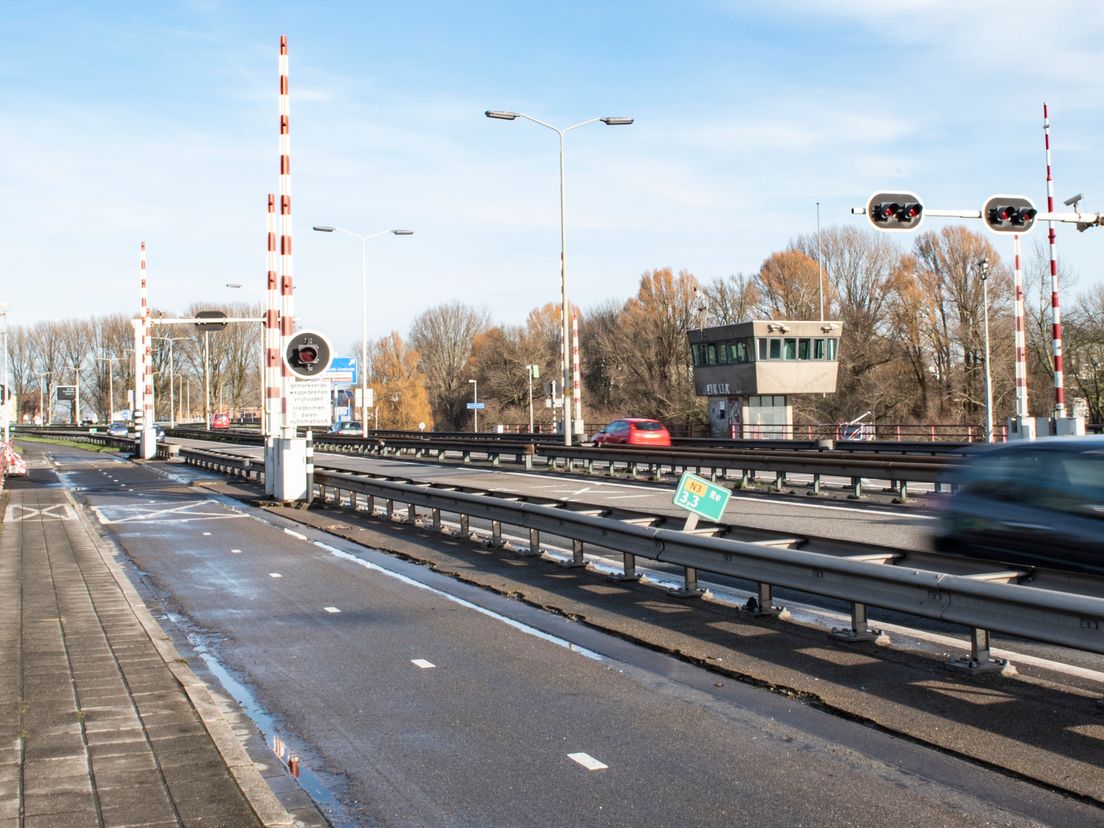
309	403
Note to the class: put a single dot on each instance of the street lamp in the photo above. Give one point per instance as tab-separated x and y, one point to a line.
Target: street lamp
475	405
261	374
172	401
565	311
110	385
363	304
41	376
983	267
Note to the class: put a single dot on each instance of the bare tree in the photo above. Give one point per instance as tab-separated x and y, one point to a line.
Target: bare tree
443	336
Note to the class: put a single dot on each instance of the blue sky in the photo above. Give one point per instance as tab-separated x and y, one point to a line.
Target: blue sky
128	121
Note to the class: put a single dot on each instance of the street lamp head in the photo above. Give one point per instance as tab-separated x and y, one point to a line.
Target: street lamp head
323	229
616	121
501	116
983	266
403	232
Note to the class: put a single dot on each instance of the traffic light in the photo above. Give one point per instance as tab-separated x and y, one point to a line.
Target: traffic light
1009	214
308	354
895	211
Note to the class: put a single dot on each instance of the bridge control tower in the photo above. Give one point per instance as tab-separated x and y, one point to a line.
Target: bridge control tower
750	370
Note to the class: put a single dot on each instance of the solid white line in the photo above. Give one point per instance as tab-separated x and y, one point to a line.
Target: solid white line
275	575
421	662
587	761
331	609
235	551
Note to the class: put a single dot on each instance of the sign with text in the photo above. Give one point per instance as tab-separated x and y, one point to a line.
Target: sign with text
342	371
66	393
309	403
698	495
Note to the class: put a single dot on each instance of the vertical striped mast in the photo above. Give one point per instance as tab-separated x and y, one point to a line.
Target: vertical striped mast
576	379
146	354
1021	349
1055	313
287	308
273	362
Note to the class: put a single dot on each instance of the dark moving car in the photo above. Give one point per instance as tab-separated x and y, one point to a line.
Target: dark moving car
348	428
1032	502
633	431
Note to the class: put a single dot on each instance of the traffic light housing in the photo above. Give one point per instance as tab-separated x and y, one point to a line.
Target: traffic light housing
308	354
895	211
1009	214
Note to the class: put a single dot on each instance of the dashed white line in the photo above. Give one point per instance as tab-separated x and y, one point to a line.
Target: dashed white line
421	662
275	575
294	534
331	609
205	534
235	551
587	761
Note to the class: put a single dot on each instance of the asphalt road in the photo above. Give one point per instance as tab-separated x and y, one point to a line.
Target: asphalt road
418	700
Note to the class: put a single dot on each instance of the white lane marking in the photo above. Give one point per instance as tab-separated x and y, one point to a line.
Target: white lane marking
331	609
295	534
275	575
205	534
235	551
421	662
17	511
510	622
587	761
176	514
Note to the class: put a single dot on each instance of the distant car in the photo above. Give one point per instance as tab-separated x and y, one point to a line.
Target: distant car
118	429
348	428
1029	503
633	431
220	421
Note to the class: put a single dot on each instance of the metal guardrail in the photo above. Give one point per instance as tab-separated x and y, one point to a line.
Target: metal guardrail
1043	615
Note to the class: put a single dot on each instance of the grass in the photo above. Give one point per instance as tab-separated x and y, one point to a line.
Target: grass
70	443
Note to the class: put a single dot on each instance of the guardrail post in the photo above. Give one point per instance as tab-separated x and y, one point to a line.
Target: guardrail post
534	544
370	504
902	491
496	458
856	488
764	604
628	568
690	588
577	559
980	659
436	520
411	513
465	528
389	508
496	533
779	481
816	484
466	457
860	629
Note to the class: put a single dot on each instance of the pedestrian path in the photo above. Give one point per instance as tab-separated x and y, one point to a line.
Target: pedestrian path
102	723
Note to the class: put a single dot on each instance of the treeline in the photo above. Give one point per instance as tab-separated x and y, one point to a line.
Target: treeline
911	351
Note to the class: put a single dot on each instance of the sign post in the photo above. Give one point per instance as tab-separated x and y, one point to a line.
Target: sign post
700	498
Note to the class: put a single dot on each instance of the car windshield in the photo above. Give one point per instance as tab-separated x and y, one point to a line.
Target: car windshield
648	425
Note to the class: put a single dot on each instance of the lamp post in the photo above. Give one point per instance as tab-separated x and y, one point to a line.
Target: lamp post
475	404
363	304
533	372
260	375
172	400
110	385
983	267
565	310
42	420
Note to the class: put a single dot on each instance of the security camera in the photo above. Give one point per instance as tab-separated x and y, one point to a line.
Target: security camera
1072	202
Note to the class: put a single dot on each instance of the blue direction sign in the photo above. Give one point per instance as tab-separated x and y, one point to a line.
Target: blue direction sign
342	371
698	495
476	406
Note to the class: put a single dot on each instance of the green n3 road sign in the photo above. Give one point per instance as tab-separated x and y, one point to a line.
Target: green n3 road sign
698	495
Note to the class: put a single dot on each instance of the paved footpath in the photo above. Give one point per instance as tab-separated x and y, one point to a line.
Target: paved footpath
102	723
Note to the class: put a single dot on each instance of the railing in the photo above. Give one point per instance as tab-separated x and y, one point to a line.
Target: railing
1043	615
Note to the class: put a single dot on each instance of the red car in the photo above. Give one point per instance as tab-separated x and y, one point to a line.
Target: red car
220	421
633	431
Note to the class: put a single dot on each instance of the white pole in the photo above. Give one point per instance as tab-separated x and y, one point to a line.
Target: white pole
565	309
984	264
529	370
364	332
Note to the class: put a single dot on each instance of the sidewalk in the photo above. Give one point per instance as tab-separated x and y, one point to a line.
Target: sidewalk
102	723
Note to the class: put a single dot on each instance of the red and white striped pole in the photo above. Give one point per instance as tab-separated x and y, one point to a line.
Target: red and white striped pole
1056	316
147	356
576	379
273	362
287	307
1021	348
